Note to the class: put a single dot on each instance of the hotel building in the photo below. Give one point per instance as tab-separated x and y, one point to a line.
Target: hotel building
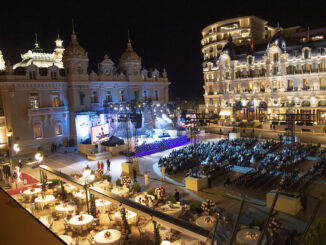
283	73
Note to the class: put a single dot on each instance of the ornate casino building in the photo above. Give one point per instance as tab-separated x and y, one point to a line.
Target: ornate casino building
42	96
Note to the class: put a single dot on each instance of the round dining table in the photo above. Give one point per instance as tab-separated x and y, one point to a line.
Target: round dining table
32	191
249	237
81	222
206	222
42	201
65	208
171	209
109	236
121	191
130	216
142	199
81	195
103	205
105	185
67	239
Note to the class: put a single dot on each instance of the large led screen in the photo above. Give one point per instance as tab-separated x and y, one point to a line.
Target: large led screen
100	133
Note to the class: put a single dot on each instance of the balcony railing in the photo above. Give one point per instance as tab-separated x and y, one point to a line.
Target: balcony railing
289	89
305	88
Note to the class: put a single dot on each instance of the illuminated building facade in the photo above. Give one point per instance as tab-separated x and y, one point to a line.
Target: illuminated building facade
42	95
2	62
264	82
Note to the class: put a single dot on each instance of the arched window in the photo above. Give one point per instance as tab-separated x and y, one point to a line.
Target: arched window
306	54
306	103
250	59
275	57
322	103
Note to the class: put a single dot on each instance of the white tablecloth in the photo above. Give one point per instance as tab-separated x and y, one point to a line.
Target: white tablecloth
46	220
103	205
242	237
42	202
185	240
171	209
81	195
201	221
105	185
120	191
142	200
35	192
61	208
130	216
164	231
66	239
81	224
114	238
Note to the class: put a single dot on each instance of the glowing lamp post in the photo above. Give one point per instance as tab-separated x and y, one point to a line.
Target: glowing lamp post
87	175
16	149
87	172
39	157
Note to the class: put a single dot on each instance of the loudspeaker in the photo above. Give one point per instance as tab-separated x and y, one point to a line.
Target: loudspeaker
138	120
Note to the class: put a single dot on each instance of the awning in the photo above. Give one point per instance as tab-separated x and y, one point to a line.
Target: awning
225	113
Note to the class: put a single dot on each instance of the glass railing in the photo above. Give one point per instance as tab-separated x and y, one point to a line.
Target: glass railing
144	213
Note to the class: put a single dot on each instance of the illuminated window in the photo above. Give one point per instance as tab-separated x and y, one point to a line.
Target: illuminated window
53	75
306	54
249	87
323	83
210	101
262	87
250	60
55	99
322	66
136	95
275	70
122	95
305	84
32	75
275	58
37	129
58	129
94	98
145	94
33	100
290	85
306	68
108	96
156	94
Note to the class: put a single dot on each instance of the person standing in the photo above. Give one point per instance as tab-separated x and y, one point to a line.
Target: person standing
20	163
163	172
280	136
108	163
146	178
227	182
134	172
177	195
209	181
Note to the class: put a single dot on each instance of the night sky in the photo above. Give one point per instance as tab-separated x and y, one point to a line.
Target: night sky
164	33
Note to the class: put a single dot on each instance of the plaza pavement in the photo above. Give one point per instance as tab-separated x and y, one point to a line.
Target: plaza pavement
74	163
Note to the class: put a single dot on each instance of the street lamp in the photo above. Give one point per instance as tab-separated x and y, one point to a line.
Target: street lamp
16	149
9	134
39	157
